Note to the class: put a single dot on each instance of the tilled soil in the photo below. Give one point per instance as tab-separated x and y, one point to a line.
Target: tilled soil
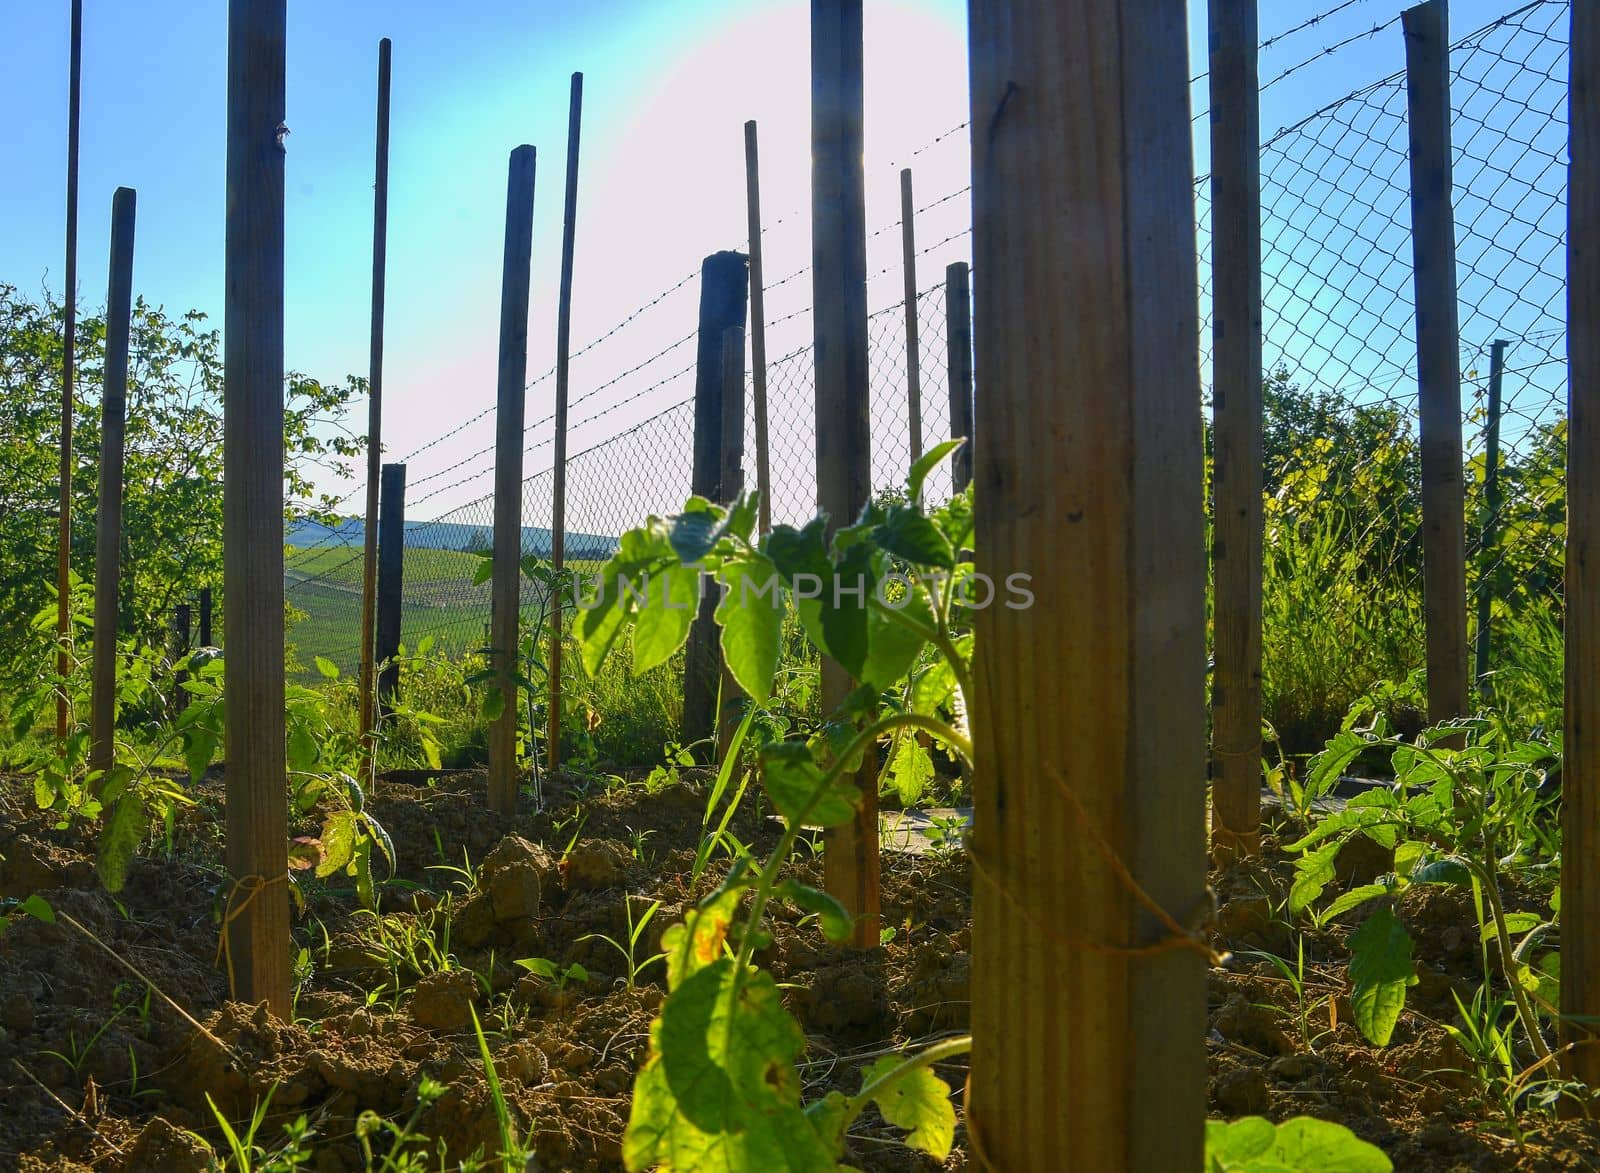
97	1073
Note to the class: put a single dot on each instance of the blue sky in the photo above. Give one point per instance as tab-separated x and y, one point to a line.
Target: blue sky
668	87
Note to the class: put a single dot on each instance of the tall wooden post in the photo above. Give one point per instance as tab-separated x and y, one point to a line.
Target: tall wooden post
730	483
758	327
958	332
908	249
1089	1031
391	580
505	588
380	246
722	306
257	904
558	525
1433	250
844	431
1580	780
69	344
108	527
1237	422
1489	528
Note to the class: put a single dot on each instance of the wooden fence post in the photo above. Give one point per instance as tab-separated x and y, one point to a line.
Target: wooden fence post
1088	1053
1433	250
391	581
108	527
69	343
369	553
506	594
844	424
730	483
558	525
1489	528
958	332
758	327
908	249
205	617
1580	782
722	306
256	913
1236	543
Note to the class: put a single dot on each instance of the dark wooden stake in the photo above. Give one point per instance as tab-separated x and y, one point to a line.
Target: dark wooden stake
730	483
257	902
758	327
182	632
1236	540
958	329
391	580
69	343
1580	780
558	525
380	247
844	424
1433	250
506	597
205	617
108	526
1489	528
908	249
722	307
1088	1012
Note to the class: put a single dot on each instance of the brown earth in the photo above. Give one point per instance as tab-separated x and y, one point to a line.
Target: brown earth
96	1074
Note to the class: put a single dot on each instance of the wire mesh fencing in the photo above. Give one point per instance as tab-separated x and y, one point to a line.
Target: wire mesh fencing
1343	576
1343	589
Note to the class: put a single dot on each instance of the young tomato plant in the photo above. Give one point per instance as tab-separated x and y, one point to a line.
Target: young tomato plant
1465	808
720	1089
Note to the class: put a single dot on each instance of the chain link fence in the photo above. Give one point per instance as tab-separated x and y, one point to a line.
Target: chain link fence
1342	591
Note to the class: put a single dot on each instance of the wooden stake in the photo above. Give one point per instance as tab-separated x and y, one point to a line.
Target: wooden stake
1489	530
257	916
391	580
758	327
369	562
722	306
69	344
205	617
183	630
505	587
730	485
1433	250
908	248
844	425
1236	543
108	526
1580	780
558	525
958	329
1088	1011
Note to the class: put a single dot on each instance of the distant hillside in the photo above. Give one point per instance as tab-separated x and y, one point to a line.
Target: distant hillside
445	535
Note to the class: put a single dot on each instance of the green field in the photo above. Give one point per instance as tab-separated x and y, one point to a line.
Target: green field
440	600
